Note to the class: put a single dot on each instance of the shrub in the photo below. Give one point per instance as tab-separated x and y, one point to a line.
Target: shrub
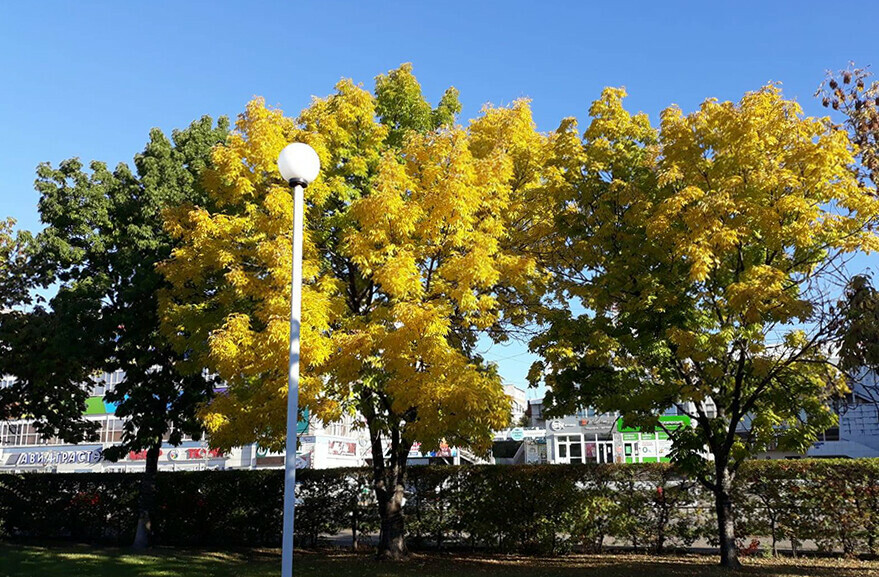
533	509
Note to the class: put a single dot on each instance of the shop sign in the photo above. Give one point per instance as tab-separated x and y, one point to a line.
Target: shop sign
630	436
443	451
670	422
54	457
517	434
598	421
201	453
176	454
342	448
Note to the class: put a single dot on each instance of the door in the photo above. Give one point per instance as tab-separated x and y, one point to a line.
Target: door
605	452
630	450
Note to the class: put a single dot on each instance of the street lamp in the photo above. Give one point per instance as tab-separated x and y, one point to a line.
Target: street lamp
299	166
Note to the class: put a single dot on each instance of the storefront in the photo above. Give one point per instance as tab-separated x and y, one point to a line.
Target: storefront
581	439
635	446
593	438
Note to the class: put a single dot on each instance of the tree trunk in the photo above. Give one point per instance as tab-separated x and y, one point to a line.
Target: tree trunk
774	530
729	556
147	497
392	542
389	478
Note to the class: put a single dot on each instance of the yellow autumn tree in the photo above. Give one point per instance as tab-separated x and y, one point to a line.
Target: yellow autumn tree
414	237
706	255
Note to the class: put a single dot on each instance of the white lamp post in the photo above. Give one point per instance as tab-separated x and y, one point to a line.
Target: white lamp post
299	165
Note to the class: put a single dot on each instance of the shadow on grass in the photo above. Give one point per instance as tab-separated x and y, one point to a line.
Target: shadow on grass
84	561
437	565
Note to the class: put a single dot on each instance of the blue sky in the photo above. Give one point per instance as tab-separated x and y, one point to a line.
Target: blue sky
89	79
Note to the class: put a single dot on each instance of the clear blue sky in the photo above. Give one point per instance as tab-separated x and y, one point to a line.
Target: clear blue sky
89	79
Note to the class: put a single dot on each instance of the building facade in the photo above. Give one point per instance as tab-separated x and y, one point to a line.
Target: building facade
585	437
24	449
342	443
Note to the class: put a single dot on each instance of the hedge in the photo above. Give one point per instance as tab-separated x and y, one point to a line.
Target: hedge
532	509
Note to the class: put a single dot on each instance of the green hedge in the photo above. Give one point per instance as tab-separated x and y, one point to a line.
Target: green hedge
535	509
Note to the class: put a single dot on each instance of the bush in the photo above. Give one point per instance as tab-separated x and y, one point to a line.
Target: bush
543	509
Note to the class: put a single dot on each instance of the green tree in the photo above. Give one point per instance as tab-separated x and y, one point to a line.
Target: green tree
103	237
702	255
50	393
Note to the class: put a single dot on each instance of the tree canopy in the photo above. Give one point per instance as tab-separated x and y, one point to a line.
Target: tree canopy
103	237
704	256
409	254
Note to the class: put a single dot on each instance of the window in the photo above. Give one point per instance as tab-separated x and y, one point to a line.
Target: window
6	434
570	447
27	434
112	430
591	452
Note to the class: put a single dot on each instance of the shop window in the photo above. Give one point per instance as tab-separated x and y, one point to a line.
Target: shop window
570	446
591	452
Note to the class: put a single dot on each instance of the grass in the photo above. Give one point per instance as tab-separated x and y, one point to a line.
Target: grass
83	561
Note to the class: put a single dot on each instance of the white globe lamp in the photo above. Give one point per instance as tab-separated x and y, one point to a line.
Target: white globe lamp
299	164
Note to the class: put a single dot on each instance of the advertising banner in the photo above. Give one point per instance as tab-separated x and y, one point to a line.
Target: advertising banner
342	448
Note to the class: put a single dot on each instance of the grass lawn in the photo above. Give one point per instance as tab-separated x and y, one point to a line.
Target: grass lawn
82	561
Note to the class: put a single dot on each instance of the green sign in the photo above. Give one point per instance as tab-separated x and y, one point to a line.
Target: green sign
95	406
517	434
669	422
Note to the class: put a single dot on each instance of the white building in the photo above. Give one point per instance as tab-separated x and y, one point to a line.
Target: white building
857	435
518	402
343	443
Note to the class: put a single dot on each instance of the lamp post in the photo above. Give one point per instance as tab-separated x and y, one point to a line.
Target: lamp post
299	166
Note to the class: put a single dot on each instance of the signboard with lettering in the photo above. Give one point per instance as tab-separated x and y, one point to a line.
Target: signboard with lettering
53	457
